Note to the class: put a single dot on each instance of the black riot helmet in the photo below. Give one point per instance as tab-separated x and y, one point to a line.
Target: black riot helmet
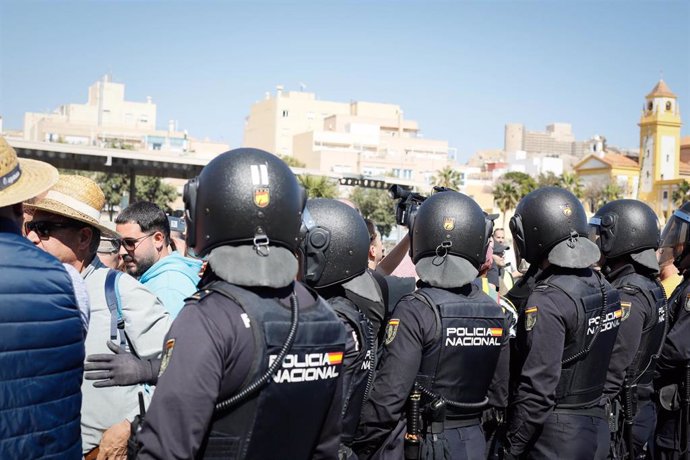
550	222
626	227
676	236
449	239
335	243
244	197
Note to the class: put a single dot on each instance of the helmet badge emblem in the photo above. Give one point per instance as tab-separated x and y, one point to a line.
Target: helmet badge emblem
567	211
262	197
448	223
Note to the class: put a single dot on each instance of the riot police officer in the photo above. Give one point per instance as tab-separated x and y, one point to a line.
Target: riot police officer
442	344
565	333
673	382
627	234
335	249
249	324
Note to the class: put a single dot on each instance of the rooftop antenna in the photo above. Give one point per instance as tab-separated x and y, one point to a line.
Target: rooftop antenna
302	86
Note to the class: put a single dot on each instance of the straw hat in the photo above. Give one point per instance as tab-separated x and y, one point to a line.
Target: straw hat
21	179
78	198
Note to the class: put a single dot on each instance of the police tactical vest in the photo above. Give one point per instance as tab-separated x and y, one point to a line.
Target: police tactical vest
470	332
359	373
588	344
300	392
641	370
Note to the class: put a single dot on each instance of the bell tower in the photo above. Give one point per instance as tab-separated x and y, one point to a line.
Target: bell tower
659	149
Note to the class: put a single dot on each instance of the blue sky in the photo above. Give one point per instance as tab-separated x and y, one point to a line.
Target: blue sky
461	69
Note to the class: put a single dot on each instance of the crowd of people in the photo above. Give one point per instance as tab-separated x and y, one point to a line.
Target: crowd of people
291	334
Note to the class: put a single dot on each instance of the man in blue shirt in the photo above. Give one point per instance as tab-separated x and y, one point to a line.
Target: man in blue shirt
146	254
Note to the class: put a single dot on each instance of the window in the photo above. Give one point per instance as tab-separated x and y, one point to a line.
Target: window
665	195
668	106
285	113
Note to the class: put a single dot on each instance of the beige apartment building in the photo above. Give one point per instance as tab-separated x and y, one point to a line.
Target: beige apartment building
558	139
357	138
108	120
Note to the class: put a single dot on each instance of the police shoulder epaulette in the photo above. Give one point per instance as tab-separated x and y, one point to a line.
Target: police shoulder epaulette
198	295
540	287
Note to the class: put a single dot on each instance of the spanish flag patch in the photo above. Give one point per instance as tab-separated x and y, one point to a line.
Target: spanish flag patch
335	358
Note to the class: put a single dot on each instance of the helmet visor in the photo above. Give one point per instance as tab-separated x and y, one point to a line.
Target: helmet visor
676	231
517	231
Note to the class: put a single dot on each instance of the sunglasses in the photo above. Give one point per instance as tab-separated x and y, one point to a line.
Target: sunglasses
44	228
130	244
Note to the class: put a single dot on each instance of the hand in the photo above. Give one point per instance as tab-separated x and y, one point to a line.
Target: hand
119	369
114	442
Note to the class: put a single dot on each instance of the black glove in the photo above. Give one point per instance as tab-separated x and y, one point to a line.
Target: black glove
120	369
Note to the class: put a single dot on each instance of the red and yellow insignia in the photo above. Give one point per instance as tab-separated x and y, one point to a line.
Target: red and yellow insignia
496	332
530	318
391	330
262	197
167	354
448	223
625	310
335	358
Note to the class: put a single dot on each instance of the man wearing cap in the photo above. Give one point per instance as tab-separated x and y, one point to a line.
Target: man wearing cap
41	335
66	224
109	253
109	250
565	333
145	235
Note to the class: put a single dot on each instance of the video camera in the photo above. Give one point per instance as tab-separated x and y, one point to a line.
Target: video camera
408	203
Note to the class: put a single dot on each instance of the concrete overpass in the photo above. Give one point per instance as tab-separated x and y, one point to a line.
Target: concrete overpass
157	163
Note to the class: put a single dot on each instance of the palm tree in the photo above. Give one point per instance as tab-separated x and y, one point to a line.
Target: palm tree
548	179
318	186
681	194
447	177
292	161
572	183
523	182
610	192
506	196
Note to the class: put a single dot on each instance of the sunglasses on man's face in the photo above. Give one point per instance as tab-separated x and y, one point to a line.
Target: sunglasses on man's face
130	244
44	228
